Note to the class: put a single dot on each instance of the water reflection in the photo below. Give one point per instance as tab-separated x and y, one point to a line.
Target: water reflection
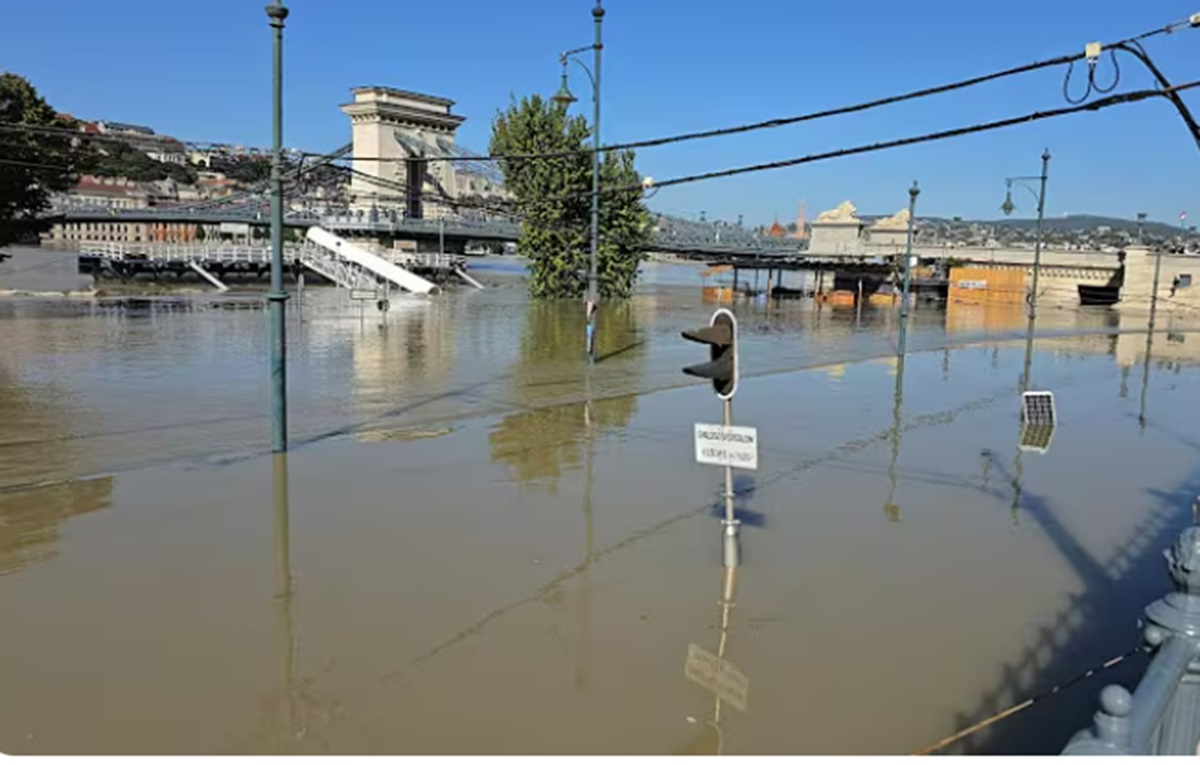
286	712
409	348
589	557
728	685
565	398
1145	379
891	510
293	712
36	441
30	519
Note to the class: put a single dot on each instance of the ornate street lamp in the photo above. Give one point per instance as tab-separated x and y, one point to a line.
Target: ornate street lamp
1007	208
565	98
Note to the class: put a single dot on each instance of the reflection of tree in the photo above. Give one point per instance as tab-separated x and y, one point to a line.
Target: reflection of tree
550	379
30	519
37	447
540	443
36	442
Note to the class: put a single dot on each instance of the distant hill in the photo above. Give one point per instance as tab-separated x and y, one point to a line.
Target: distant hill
1083	231
1087	223
1069	223
1061	223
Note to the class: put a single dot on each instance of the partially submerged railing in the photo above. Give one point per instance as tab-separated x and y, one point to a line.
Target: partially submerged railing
1162	715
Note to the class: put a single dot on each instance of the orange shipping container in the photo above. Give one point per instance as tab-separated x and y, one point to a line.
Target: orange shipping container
980	286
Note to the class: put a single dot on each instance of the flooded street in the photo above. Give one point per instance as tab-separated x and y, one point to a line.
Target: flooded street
478	544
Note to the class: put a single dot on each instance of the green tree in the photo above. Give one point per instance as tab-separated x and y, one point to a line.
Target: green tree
247	169
33	163
553	197
119	160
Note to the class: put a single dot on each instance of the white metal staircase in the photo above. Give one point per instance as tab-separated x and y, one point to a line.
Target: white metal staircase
343	273
348	264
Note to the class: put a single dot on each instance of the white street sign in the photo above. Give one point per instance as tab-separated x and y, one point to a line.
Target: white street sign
727	445
717	675
363	294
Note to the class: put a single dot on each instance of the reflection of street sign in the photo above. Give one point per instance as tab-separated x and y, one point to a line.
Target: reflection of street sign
719	676
727	445
1036	438
363	294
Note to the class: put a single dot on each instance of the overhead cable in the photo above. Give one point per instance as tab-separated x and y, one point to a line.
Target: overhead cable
1104	103
782	121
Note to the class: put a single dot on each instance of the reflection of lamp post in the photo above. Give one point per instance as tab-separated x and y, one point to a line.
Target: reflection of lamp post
564	98
585	597
891	510
1007	208
1145	379
277	297
1014	480
283	589
1018	464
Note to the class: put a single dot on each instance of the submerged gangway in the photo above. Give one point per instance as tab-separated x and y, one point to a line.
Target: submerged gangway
350	265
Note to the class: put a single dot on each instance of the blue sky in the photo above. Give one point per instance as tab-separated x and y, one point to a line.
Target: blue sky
201	71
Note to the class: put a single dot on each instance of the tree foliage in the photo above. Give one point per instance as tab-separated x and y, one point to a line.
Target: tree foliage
119	160
32	164
553	198
247	169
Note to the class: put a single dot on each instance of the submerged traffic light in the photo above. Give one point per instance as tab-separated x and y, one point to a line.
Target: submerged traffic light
721	338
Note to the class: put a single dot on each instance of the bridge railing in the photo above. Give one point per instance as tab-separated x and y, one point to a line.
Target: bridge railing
670	235
184	252
1159	717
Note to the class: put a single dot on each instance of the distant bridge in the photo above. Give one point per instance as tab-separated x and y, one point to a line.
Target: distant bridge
673	235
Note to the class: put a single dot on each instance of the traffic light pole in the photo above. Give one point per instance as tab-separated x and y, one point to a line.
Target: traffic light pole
724	444
729	536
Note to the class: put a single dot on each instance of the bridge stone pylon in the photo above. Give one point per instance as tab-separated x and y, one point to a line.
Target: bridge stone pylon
394	135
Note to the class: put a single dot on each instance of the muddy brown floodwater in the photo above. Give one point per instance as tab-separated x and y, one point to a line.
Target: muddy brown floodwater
480	544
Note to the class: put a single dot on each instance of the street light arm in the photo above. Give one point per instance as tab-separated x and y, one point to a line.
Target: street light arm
1020	181
570	55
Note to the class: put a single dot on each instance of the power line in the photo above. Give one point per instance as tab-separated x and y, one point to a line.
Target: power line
867	105
1104	103
37	165
127	139
1069	59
